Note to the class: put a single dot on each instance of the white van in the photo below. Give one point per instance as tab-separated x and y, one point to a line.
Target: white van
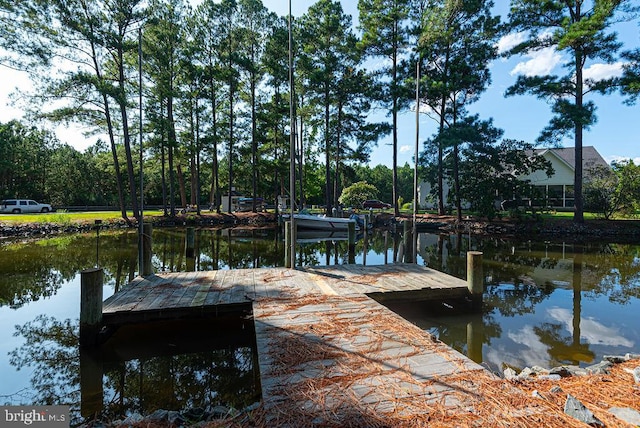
17	206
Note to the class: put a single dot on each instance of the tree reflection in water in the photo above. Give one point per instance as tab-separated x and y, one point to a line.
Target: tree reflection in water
544	303
173	373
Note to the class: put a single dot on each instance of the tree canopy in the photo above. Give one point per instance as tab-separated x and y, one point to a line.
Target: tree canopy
214	99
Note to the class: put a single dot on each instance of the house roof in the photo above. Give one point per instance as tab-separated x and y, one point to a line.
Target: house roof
590	156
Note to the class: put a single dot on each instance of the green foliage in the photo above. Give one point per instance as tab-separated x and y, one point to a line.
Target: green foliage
611	191
601	193
489	174
457	42
582	33
357	193
60	218
630	82
25	161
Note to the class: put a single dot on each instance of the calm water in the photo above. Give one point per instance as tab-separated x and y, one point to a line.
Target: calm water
545	304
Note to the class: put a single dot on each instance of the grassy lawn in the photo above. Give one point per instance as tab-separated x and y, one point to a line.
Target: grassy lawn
67	217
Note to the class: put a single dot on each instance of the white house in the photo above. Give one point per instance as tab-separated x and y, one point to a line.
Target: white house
557	189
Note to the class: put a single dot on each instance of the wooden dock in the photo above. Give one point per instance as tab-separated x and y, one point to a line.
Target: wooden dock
327	351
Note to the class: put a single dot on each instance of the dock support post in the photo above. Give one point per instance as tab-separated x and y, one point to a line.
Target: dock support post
90	306
190	252
475	337
191	241
352	242
407	234
147	268
475	278
91	391
287	244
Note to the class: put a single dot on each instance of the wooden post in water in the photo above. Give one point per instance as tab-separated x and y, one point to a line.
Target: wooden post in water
190	249
352	241
475	337
287	244
91	391
407	235
190	241
147	268
475	278
90	306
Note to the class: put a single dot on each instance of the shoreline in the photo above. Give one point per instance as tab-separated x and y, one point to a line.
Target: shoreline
624	231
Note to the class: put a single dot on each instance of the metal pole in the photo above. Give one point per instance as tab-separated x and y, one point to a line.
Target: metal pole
141	269
414	234
292	147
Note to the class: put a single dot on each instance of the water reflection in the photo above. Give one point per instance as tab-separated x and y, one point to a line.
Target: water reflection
535	311
545	303
187	365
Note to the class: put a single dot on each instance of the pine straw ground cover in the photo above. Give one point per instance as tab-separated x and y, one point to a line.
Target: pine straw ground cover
470	399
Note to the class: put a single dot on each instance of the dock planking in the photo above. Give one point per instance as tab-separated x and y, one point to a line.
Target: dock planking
325	348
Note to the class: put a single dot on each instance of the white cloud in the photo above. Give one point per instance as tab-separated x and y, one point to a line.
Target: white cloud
405	149
590	329
509	41
603	71
618	158
542	62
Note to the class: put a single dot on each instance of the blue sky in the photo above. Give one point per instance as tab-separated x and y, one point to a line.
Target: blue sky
616	135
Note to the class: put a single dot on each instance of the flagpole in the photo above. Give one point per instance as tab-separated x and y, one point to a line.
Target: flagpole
292	148
415	169
141	266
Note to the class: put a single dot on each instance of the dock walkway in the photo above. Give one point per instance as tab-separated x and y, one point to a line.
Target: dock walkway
327	351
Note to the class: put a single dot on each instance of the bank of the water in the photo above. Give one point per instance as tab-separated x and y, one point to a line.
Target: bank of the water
42	227
537	291
551	228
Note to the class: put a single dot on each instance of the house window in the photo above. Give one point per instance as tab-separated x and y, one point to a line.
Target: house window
555	196
569	195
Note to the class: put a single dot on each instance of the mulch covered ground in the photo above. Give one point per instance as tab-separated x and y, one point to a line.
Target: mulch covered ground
503	403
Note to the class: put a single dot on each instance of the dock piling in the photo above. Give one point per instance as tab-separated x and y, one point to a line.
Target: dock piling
352	242
90	306
287	244
147	230
190	241
407	235
91	390
475	278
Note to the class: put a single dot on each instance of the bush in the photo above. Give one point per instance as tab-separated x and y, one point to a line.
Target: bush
357	193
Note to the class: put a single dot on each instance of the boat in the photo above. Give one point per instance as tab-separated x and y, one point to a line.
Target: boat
310	236
315	222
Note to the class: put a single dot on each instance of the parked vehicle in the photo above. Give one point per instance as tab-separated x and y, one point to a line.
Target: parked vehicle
17	206
246	204
374	203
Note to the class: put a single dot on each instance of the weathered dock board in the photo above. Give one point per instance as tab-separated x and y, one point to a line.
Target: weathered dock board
326	350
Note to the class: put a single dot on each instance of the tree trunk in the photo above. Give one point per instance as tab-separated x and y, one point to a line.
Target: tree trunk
112	141
303	202
214	198
578	216
172	144
183	190
127	137
254	145
327	152
394	115
231	117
